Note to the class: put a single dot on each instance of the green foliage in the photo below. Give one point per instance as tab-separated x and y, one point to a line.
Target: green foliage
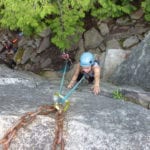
25	15
63	17
117	95
30	16
68	25
112	8
146	8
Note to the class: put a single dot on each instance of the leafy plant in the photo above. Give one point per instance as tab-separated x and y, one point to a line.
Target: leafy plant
112	8
67	24
146	8
117	95
25	15
63	17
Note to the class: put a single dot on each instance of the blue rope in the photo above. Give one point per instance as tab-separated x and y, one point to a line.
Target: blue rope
64	98
63	77
72	90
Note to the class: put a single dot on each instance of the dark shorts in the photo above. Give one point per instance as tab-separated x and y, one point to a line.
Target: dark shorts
90	79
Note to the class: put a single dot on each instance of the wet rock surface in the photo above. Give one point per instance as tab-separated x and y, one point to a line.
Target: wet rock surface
92	122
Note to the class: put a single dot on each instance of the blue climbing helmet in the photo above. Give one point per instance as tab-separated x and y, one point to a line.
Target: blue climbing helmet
86	59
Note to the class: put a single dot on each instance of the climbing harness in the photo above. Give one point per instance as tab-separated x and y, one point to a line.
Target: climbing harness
61	105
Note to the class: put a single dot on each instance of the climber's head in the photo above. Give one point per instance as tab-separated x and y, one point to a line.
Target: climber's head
86	61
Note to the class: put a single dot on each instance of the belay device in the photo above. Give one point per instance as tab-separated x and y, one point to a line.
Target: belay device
59	99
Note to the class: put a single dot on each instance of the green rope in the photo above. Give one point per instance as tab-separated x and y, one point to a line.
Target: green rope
64	99
63	77
72	90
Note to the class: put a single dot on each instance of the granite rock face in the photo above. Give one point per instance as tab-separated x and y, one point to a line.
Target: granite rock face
92	122
135	70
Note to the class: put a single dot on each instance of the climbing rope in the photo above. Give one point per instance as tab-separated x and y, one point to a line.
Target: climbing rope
58	97
60	106
63	77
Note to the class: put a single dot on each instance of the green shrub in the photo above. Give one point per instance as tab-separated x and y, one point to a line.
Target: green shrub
146	8
118	95
63	17
112	8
